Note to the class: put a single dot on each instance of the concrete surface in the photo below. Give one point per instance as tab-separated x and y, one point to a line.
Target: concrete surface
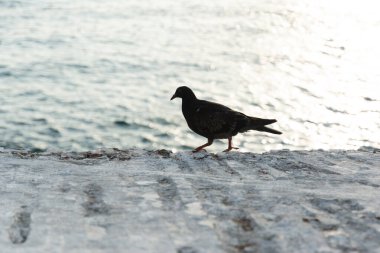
156	201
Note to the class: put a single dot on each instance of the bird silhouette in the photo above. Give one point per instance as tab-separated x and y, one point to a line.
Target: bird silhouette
216	121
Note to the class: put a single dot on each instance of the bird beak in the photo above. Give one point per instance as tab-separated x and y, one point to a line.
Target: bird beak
174	96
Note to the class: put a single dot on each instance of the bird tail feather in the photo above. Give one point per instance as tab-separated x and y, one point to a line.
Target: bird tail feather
267	129
259	124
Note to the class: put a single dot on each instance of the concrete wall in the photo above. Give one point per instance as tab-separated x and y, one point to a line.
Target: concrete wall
156	201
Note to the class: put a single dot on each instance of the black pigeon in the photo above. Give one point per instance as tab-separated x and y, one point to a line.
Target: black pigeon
216	121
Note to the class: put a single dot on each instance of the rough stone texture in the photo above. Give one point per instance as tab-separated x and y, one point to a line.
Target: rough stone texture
156	201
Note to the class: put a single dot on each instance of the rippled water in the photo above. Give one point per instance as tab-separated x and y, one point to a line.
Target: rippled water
78	75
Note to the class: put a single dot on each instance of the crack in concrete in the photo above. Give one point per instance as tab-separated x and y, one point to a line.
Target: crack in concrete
95	204
20	228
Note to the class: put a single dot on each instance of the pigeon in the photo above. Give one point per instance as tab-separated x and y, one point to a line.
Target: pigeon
216	121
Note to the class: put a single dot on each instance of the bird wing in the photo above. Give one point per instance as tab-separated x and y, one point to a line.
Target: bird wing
212	119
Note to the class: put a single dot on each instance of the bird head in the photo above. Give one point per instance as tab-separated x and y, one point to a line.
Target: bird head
183	92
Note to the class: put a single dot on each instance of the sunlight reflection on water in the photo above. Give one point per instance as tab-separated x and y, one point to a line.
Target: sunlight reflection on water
91	74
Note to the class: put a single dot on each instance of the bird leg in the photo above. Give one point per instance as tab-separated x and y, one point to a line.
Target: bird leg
230	145
209	142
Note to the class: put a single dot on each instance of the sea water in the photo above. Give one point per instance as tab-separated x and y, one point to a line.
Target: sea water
89	74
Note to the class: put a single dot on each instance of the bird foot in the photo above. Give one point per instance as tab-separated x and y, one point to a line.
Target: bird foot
229	149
